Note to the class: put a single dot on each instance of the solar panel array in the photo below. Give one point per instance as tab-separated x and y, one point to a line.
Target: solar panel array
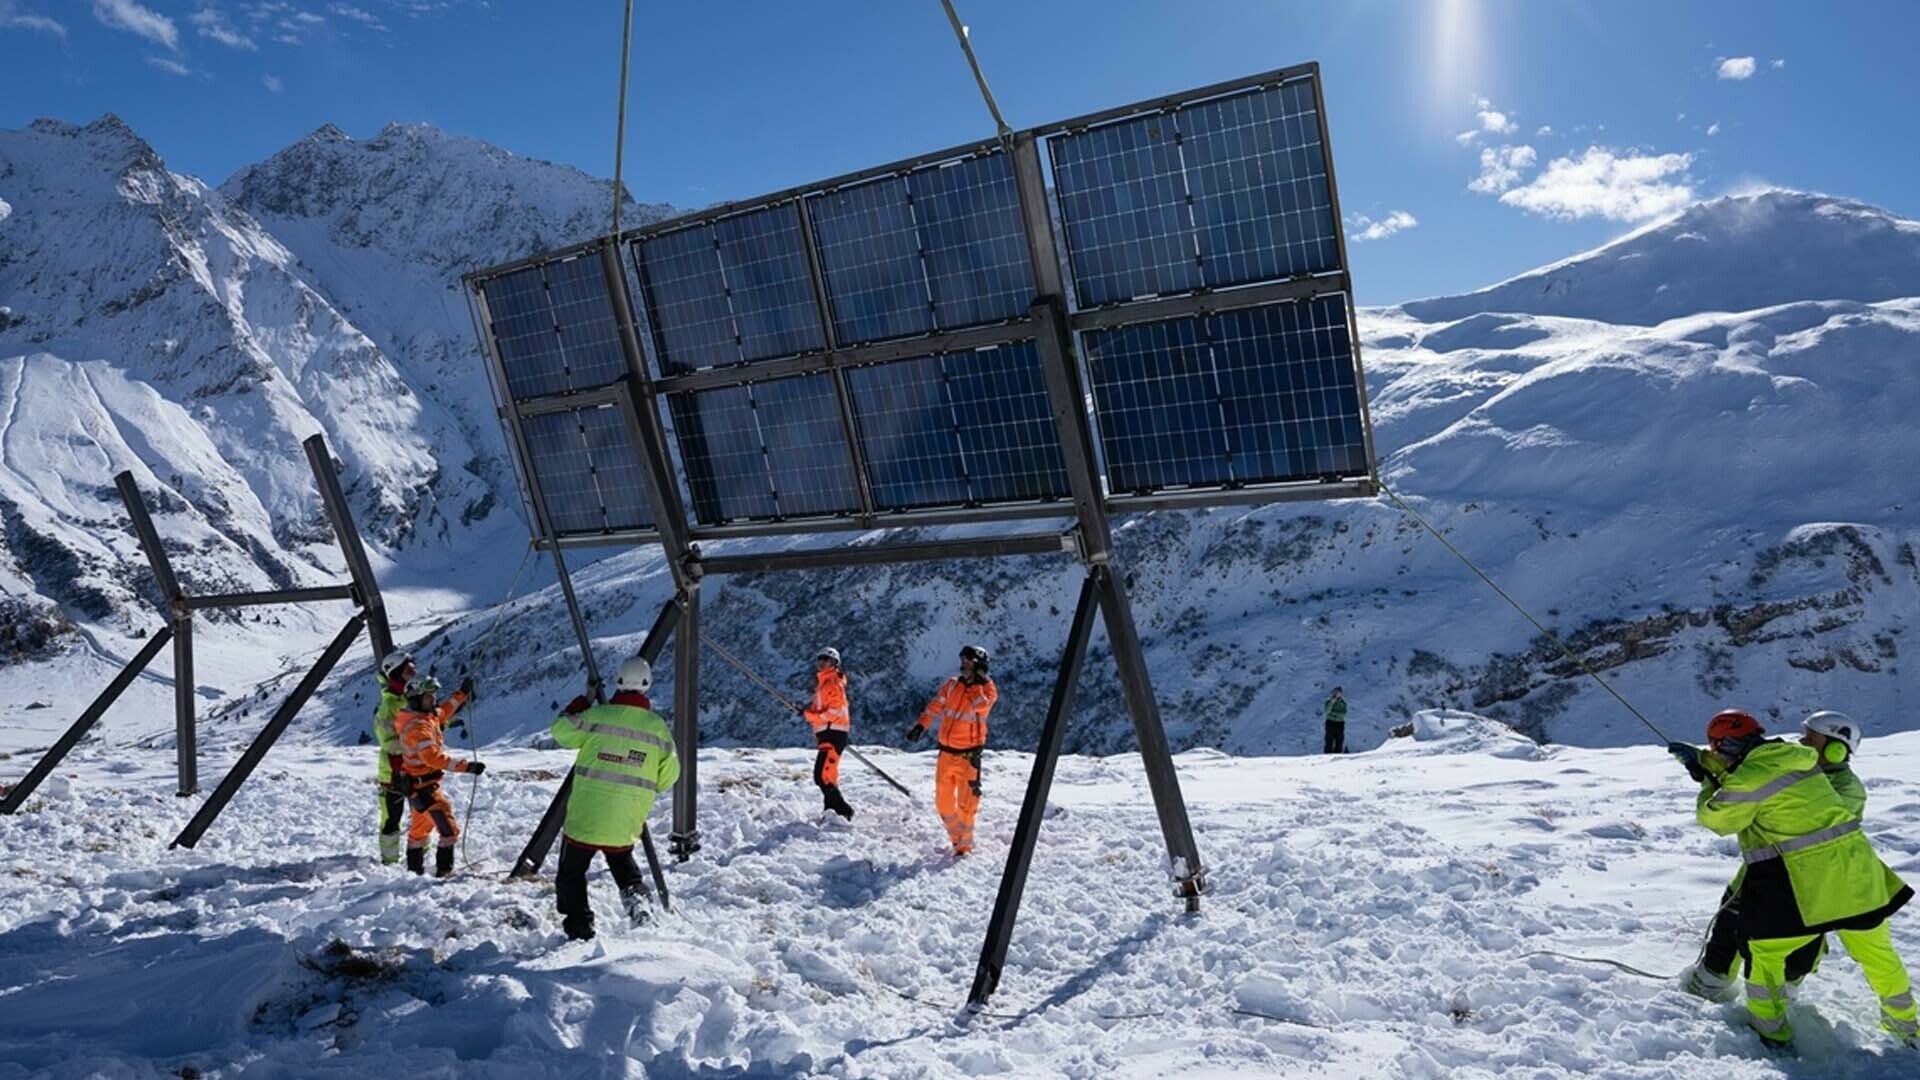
1194	199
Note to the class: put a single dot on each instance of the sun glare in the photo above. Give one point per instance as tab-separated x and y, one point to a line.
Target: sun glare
1454	65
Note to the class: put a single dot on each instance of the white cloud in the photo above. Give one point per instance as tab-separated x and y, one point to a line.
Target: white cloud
272	83
1778	64
1372	229
213	25
171	67
359	15
1467	138
1713	129
1602	183
1543	131
1492	120
1500	168
13	18
1737	67
130	16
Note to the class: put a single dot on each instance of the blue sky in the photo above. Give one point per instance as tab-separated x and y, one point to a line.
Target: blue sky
1474	138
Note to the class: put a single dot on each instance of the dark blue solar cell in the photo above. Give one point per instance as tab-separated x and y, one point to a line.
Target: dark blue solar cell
685	297
1259	395
553	328
588	470
731	291
1007	437
1123	204
1261	201
908	434
870	256
771	450
973	240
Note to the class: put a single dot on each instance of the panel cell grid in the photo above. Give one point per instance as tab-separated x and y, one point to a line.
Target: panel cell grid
729	292
1260	395
1225	192
958	429
553	328
870	256
766	451
588	470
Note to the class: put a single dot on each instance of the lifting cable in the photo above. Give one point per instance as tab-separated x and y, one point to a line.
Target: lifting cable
960	34
473	739
794	706
620	127
1524	613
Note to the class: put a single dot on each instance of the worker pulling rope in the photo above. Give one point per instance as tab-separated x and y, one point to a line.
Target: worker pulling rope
1524	613
793	706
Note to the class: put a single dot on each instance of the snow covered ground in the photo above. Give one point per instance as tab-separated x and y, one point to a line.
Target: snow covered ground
1384	910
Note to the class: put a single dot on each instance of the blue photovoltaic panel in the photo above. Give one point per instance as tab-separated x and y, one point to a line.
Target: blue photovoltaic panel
1259	395
770	450
941	248
963	428
1226	192
553	328
730	291
588	470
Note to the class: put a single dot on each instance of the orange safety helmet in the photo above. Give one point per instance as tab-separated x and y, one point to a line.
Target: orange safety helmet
1732	724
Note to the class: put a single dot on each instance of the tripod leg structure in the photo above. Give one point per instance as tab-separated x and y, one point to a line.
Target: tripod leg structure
59	750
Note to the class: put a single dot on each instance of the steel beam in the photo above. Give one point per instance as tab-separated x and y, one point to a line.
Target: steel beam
1210	303
544	834
987	547
1026	831
64	745
904	519
685	838
1067	399
1203	498
149	540
881	352
1189	874
185	752
258	599
320	460
264	741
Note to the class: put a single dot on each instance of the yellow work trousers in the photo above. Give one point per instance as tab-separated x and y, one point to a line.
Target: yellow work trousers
1871	949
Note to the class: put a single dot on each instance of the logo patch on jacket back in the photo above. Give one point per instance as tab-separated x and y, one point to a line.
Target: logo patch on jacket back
613	758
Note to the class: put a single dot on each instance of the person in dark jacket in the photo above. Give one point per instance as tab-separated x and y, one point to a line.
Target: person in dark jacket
1333	715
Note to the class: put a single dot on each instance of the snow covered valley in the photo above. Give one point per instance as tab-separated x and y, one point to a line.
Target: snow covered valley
1385	911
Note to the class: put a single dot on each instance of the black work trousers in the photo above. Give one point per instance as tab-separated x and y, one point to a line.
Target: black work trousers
1336	737
1726	944
570	882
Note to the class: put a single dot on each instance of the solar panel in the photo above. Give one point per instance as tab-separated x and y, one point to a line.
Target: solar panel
1258	395
588	470
870	257
769	450
962	428
730	291
1224	192
553	325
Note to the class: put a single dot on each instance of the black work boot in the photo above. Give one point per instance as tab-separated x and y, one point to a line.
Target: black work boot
578	927
443	862
417	859
838	803
639	905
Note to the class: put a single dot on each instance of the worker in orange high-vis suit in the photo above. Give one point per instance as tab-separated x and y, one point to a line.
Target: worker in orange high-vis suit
961	706
423	758
832	724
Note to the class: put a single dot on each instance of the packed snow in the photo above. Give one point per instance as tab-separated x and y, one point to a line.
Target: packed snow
1386	913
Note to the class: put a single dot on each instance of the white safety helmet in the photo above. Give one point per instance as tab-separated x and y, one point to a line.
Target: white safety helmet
1836	725
828	653
636	676
394	661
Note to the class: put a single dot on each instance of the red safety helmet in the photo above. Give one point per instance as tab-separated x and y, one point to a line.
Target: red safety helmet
1732	724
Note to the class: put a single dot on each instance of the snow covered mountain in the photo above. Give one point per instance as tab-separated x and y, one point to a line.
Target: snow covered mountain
1701	476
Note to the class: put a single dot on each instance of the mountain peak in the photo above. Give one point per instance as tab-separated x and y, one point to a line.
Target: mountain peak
1708	257
328	132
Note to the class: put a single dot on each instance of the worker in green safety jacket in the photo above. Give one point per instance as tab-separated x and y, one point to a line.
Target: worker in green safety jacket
625	760
1835	736
1808	869
395	669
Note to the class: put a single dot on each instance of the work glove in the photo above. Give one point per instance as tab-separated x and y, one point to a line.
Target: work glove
914	733
1688	756
476	768
579	705
466	687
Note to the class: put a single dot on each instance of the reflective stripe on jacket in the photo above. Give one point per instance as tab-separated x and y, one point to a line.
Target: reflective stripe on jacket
384	732
423	738
828	709
961	709
1809	867
625	759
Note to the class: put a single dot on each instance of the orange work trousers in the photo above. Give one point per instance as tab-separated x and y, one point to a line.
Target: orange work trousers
956	794
431	812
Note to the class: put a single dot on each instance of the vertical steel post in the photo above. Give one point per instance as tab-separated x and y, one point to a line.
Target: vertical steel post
1026	832
340	516
186	753
544	834
1340	233
230	784
65	744
685	838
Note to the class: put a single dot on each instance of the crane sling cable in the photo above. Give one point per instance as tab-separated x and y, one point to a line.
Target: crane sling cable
620	126
1524	613
795	706
960	34
473	739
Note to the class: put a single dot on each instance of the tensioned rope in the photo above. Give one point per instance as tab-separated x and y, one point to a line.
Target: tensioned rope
961	35
473	738
620	127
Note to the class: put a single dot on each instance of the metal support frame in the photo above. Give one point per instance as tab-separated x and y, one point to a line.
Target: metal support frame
1026	831
186	755
17	795
334	501
236	776
257	599
684	840
987	547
